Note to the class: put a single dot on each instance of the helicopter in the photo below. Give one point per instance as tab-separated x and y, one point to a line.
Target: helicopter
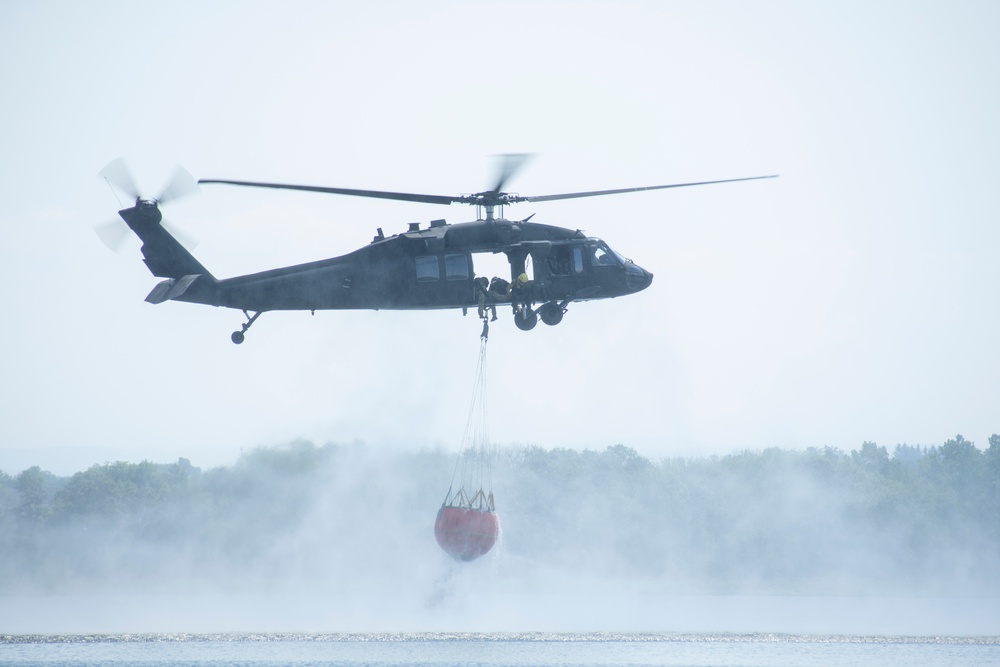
422	268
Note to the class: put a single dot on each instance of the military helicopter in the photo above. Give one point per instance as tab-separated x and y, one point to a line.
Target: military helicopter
422	268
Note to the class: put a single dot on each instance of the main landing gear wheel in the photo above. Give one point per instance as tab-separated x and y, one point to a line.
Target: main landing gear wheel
525	318
551	313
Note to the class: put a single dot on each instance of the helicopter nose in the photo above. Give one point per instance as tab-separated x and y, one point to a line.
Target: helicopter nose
637	278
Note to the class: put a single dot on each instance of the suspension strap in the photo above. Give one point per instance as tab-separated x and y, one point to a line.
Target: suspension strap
475	456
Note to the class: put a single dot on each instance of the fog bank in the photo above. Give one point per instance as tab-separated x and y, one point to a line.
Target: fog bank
340	538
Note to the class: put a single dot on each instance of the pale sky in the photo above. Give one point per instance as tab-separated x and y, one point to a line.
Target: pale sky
854	298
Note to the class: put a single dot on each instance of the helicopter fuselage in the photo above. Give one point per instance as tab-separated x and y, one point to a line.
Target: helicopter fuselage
431	268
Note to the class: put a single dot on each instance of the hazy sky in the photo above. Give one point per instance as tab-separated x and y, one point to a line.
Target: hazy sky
855	298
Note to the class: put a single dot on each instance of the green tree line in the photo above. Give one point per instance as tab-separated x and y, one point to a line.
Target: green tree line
917	520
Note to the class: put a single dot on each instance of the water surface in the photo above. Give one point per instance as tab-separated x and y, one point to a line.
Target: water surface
495	650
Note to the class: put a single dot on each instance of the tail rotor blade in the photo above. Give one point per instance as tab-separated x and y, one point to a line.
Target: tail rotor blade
118	175
186	239
182	184
113	234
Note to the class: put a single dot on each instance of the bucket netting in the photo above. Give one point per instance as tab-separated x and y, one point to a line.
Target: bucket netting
473	473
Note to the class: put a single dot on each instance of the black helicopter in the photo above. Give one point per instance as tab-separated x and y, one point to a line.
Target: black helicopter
420	269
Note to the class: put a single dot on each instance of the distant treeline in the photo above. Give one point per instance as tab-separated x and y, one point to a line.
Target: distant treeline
921	520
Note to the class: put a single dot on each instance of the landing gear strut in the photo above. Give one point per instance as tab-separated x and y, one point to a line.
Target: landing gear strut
239	336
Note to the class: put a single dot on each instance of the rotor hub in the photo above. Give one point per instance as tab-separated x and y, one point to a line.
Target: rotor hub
149	209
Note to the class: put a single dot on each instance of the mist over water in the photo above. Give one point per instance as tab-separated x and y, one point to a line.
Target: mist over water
339	538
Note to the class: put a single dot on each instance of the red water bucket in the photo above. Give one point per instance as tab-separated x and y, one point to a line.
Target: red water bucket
466	534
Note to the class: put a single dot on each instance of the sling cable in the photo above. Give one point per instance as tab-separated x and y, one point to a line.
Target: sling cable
467	525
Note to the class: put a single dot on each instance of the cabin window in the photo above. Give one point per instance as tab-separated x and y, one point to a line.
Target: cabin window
577	259
427	269
456	267
560	263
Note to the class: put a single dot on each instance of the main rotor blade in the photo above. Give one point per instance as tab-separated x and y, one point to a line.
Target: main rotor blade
512	163
375	194
598	193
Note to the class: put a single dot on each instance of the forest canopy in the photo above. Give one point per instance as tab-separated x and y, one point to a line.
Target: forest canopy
916	520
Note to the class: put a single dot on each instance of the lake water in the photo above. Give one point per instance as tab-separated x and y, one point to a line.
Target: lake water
495	650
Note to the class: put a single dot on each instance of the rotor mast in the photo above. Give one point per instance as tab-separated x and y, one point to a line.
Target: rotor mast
487	202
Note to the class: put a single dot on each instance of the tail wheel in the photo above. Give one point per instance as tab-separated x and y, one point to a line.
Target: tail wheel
551	313
239	336
525	318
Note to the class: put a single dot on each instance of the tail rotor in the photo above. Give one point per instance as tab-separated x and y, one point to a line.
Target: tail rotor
118	176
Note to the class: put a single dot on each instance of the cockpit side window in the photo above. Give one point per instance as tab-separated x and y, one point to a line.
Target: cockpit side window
577	259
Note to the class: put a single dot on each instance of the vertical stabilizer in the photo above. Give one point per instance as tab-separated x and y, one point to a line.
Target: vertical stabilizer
164	255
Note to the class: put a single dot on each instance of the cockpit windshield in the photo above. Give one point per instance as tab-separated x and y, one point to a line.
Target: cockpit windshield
602	255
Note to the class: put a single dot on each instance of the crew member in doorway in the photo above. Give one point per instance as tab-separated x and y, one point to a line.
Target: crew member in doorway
482	287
